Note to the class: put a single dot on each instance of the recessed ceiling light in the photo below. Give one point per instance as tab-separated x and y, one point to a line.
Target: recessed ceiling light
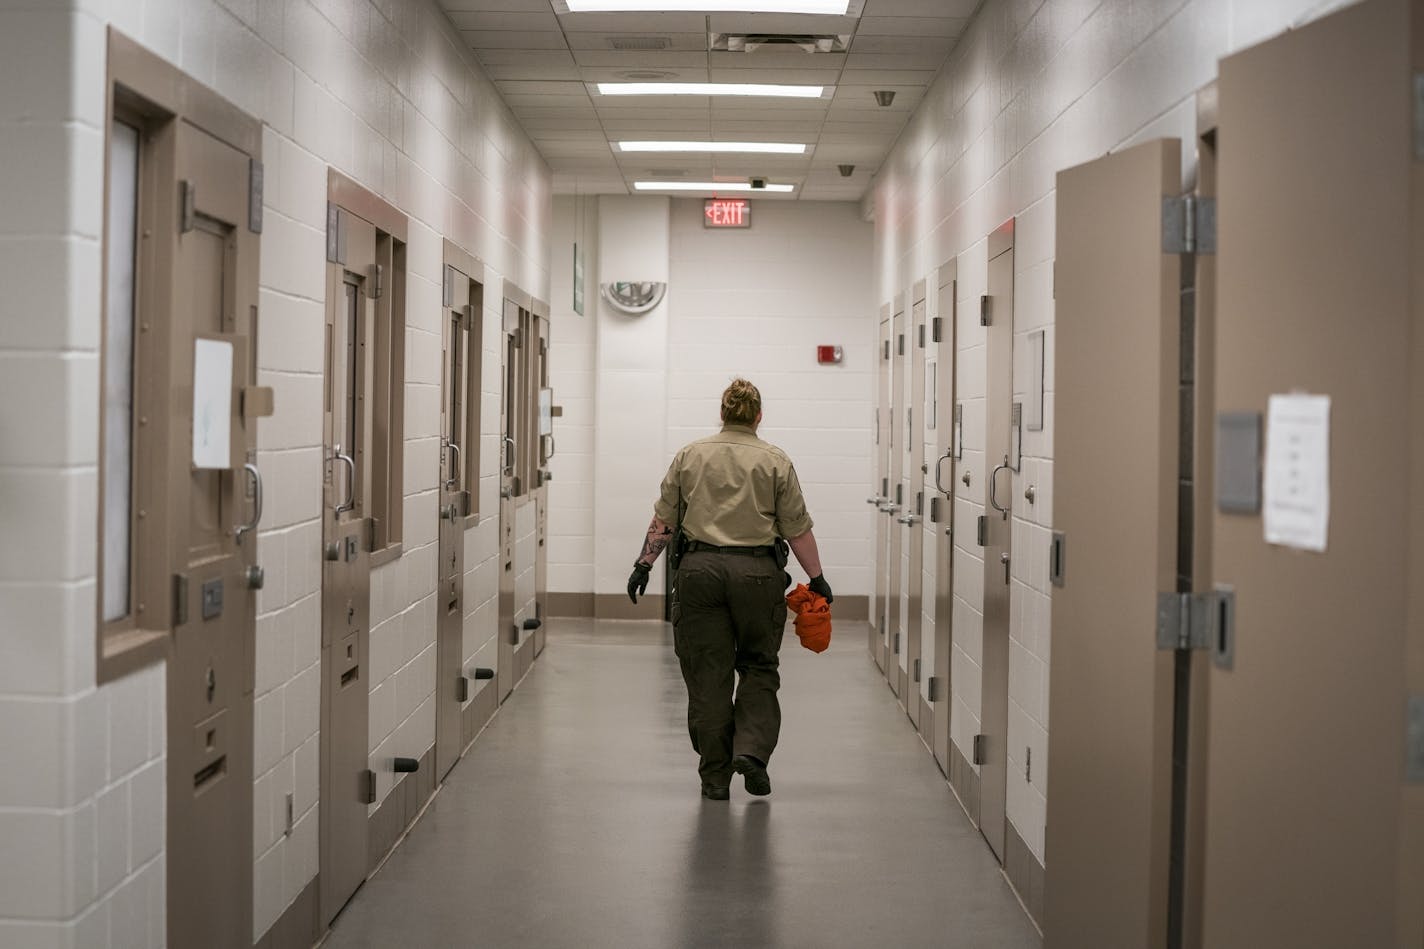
706	186
707	89
766	148
832	7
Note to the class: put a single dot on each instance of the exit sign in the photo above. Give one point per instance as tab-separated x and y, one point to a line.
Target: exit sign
727	212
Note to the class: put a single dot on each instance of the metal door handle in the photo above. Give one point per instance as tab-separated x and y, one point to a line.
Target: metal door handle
876	501
553	447
890	508
907	519
350	502
511	447
939	485
251	525
454	478
994	487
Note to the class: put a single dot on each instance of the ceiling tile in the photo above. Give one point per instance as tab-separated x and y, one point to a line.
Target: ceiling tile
617	74
808	77
911	59
639	59
525	57
899	46
530	71
685	42
536	88
777	58
634	22
930	8
495	6
804	24
885	78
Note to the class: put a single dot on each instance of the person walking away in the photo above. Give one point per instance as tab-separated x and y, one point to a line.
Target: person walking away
736	496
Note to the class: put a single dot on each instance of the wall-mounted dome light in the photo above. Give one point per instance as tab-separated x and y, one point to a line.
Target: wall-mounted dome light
634	298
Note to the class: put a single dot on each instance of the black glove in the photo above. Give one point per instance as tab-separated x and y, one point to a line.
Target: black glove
819	585
638	581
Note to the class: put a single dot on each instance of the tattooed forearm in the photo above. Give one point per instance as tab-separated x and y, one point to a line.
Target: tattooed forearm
659	534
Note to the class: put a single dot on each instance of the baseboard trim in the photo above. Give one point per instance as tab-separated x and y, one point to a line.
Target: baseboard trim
297	927
1026	875
965	782
571	604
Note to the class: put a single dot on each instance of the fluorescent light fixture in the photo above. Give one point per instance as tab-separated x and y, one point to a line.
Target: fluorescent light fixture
764	148
831	7
707	89
707	186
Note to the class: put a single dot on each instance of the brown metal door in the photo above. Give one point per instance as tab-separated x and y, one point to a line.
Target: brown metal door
915	500
511	493
544	406
451	684
944	475
1115	490
1319	211
214	516
346	568
998	523
880	607
896	506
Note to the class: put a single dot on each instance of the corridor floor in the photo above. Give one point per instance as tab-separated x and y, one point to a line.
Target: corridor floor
575	821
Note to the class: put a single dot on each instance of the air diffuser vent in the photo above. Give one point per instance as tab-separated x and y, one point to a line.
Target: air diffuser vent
640	42
751	42
646	75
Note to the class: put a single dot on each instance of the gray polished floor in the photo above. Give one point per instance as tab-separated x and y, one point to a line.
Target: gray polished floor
575	820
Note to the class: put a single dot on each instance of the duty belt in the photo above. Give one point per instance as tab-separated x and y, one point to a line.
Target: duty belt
697	545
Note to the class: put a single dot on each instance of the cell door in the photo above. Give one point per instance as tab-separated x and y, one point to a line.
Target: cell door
1313	795
912	606
544	434
346	785
895	507
997	533
880	606
515	476
214	515
944	474
1115	490
458	486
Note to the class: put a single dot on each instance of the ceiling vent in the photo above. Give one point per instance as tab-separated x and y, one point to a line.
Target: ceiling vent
667	172
640	42
751	42
646	75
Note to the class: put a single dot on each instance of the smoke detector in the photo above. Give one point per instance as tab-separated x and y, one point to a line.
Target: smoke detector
751	42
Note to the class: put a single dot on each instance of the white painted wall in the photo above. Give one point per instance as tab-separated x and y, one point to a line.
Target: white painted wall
1033	87
386	92
750	302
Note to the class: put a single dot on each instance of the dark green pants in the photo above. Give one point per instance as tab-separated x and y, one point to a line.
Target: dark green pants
728	613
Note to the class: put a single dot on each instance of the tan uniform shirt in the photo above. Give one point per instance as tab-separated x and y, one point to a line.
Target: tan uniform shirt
739	491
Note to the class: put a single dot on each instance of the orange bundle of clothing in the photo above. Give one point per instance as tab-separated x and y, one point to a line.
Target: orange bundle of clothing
813	617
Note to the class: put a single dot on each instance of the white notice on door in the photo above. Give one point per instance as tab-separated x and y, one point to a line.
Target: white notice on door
212	403
1297	475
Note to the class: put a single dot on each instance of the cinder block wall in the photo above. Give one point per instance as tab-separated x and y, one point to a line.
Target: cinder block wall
1033	87
386	92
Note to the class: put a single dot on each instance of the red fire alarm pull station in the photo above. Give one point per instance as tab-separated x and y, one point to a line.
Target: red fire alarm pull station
828	355
727	212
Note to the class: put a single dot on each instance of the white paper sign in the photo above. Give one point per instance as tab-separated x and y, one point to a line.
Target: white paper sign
212	403
1297	472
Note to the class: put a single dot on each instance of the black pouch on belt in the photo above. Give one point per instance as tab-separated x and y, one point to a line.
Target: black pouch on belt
781	550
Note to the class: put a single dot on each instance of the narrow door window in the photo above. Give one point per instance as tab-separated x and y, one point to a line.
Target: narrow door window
119	370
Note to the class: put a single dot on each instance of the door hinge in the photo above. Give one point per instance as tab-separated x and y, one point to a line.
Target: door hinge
1196	620
921	335
518	335
932	690
447	287
514	634
335	235
188	206
900	345
936	328
373	531
979	750
1057	554
884	487
1414	740
1188	225
368	786
897	644
900	495
920	503
985	317
917	670
886	356
462	689
934	510
1419	116
982	531
1028	763
254	195
180	599
377	281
